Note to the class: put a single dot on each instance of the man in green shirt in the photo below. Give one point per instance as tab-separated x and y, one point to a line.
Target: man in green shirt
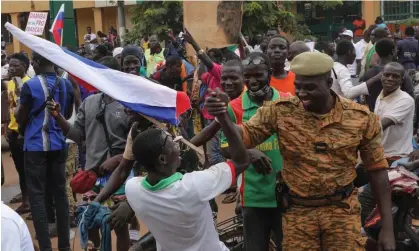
260	211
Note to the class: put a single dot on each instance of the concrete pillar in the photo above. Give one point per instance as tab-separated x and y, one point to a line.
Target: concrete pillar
15	21
121	22
370	11
98	15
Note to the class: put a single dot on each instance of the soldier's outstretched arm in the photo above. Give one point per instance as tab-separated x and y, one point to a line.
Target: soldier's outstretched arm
255	131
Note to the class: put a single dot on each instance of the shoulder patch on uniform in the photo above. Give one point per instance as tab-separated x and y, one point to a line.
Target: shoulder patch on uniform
291	99
351	105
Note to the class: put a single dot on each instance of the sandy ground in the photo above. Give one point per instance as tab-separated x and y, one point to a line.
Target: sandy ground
11	188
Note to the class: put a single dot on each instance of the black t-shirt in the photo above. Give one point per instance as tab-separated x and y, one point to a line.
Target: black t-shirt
375	90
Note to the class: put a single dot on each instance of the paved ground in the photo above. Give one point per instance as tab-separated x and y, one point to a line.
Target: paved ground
11	188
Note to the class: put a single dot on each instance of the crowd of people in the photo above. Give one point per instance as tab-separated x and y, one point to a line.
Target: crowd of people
282	125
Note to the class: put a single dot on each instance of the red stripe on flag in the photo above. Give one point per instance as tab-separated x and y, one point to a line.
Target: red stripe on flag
86	86
182	103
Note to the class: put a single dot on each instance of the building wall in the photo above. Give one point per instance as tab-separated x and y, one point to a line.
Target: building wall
84	18
23	6
15	8
8	6
370	11
110	18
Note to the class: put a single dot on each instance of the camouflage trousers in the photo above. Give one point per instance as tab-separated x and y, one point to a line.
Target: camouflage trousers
70	166
326	228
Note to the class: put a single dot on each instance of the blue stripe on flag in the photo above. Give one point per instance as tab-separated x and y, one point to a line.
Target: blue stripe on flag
166	114
85	60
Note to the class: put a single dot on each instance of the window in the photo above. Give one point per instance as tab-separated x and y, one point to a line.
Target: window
8	38
399	10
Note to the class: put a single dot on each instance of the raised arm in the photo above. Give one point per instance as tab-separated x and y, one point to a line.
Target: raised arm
206	134
350	91
201	54
253	132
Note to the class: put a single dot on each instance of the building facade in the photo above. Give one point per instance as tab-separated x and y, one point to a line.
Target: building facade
99	15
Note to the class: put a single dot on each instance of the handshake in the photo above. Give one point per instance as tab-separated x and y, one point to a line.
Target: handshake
216	103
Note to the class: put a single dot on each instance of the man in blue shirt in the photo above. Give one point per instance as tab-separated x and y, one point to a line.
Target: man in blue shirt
45	149
408	50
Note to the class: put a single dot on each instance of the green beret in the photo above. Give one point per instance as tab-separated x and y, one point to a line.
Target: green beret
311	64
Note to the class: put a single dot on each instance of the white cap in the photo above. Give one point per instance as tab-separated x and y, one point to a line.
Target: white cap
117	51
347	33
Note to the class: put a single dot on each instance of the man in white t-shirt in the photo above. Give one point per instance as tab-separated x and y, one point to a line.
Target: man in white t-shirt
348	35
360	48
14	232
176	207
396	110
342	81
90	38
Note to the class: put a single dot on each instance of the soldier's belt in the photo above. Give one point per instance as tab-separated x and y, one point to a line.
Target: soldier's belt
334	199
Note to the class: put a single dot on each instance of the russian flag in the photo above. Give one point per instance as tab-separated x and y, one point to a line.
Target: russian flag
135	92
57	30
58	26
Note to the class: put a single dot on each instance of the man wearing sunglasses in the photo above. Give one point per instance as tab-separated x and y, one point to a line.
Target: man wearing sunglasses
319	134
174	206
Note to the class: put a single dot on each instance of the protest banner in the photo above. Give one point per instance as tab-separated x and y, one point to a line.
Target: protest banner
36	23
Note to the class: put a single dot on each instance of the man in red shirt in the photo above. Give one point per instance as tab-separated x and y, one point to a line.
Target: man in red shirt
359	27
281	80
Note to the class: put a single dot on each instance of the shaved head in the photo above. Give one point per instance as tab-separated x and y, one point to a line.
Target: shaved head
396	67
297	48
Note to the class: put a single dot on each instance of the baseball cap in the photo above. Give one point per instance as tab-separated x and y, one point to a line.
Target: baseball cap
117	51
347	33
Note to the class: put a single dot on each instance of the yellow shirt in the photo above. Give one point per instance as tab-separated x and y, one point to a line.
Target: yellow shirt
11	86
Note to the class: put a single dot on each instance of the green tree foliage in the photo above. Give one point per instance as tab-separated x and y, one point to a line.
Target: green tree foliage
259	16
155	17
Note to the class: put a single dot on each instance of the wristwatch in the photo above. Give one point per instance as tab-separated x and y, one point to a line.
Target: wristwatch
200	52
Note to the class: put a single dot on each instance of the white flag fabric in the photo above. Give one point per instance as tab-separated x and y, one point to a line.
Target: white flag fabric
135	92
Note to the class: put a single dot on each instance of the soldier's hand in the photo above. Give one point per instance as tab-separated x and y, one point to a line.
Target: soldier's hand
216	102
386	241
53	108
121	215
260	161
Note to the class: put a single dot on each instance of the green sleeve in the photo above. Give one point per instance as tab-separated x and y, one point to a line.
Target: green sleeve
224	142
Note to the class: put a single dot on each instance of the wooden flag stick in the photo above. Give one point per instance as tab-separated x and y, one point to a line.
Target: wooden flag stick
186	142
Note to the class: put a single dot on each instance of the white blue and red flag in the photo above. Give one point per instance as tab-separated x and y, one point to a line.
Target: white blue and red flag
57	27
135	92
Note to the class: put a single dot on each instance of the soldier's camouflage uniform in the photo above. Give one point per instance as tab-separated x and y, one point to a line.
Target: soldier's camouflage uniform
347	128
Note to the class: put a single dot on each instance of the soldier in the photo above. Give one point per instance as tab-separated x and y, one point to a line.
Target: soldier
319	134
